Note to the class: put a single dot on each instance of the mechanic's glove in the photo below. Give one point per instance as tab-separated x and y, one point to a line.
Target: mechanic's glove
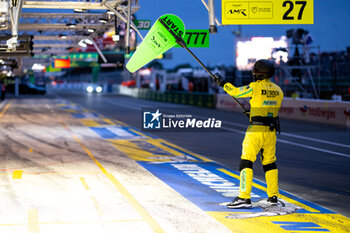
219	80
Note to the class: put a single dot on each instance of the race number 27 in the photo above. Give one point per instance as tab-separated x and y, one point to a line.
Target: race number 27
291	7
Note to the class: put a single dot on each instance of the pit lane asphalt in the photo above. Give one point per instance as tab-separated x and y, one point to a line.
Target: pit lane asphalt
313	159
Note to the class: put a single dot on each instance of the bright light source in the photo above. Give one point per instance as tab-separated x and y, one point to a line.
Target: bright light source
37	66
115	37
82	44
71	25
80	10
102	20
91	30
249	51
145	72
280	56
98	89
89	89
110	12
88	41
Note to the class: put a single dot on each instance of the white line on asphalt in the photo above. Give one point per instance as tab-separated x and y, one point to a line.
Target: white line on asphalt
315	140
313	148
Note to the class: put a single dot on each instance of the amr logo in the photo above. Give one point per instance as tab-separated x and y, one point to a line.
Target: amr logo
237	12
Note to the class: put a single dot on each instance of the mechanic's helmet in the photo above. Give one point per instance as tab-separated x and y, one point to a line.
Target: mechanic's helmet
263	69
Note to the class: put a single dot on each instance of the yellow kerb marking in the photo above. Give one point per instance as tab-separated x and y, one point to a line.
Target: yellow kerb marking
335	223
146	216
33	221
121	123
89	122
294	202
17	175
5	109
108	121
84	183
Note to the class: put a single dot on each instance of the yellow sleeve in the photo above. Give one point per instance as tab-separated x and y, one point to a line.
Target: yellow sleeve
239	92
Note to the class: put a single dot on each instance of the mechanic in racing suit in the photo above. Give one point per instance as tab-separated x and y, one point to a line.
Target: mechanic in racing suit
266	99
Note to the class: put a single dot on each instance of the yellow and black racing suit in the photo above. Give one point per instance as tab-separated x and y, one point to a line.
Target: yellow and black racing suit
266	99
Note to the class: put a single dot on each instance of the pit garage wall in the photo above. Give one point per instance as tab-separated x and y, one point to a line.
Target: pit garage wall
321	111
185	98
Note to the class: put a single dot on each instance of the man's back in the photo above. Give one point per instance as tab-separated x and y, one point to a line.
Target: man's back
266	99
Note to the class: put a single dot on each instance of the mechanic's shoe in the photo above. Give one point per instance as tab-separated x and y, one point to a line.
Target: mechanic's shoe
272	200
239	203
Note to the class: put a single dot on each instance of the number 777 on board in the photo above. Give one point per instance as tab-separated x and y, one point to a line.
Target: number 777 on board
195	38
267	12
